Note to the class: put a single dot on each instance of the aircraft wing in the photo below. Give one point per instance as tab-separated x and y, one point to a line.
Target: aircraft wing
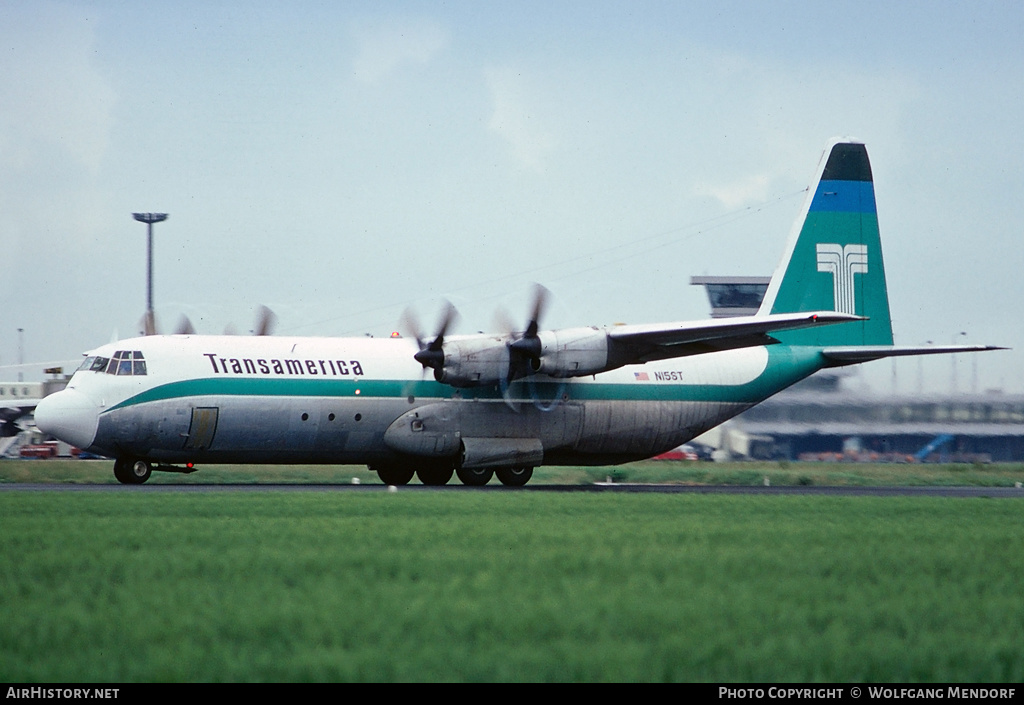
631	344
11	412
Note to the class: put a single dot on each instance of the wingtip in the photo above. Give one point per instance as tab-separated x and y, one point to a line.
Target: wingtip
824	317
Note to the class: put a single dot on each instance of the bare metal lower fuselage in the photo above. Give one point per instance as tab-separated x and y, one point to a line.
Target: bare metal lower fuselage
235	429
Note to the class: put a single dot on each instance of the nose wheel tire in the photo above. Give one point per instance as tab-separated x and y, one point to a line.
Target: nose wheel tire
132	471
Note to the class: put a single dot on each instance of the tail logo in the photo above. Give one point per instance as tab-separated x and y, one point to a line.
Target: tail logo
843	263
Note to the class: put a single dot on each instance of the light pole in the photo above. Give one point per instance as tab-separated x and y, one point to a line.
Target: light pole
920	372
149	219
953	358
21	354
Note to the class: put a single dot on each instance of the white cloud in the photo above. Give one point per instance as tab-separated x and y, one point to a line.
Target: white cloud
53	101
739	193
56	117
516	118
384	49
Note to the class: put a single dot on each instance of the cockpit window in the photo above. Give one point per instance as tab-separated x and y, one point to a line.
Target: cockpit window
94	363
123	363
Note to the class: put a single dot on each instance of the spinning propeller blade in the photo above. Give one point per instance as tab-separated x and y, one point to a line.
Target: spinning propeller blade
526	348
265	322
430	354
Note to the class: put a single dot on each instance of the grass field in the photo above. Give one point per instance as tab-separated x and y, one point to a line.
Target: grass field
469	586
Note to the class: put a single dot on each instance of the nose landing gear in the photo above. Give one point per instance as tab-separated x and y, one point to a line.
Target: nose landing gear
132	471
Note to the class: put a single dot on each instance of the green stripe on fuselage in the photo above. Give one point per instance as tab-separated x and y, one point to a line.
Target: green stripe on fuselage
786	365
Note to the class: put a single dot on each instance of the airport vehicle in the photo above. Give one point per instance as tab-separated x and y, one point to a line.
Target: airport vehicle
496	403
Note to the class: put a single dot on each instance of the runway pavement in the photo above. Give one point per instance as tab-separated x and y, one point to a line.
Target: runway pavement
844	491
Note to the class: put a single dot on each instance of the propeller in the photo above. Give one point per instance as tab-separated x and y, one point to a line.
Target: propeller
430	354
527	348
266	320
150	326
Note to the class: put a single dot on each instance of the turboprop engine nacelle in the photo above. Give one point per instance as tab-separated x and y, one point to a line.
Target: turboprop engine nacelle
572	352
474	362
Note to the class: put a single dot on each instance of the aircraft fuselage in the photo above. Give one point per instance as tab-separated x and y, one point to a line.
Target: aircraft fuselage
210	399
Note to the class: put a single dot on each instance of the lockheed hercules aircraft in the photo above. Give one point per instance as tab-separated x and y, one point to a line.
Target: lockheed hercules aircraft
497	404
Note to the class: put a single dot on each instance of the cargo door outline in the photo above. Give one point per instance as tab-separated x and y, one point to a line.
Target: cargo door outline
202	428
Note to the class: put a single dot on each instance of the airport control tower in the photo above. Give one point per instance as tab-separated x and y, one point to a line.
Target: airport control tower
733	296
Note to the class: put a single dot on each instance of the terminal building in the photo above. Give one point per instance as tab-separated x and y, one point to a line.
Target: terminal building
823	418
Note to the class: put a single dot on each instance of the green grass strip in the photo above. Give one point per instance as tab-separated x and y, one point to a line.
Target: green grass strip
457	586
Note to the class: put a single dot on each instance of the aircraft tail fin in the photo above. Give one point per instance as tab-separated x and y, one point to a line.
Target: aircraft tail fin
834	256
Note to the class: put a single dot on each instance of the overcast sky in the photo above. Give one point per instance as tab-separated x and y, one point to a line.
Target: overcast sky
338	161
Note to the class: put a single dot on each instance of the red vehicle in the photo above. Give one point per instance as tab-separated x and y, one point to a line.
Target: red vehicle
42	450
681	453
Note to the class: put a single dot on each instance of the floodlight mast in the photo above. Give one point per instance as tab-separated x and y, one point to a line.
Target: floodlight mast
149	219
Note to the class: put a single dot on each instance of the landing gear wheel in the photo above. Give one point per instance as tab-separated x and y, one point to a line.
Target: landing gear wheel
434	476
121	470
475	477
132	471
514	477
394	476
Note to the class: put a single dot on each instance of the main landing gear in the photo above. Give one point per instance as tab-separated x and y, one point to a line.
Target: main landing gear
475	477
514	477
437	476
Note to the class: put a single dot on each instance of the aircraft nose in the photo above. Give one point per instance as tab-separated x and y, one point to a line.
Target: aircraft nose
70	416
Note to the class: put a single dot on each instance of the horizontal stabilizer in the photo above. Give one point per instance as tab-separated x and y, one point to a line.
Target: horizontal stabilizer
853	354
